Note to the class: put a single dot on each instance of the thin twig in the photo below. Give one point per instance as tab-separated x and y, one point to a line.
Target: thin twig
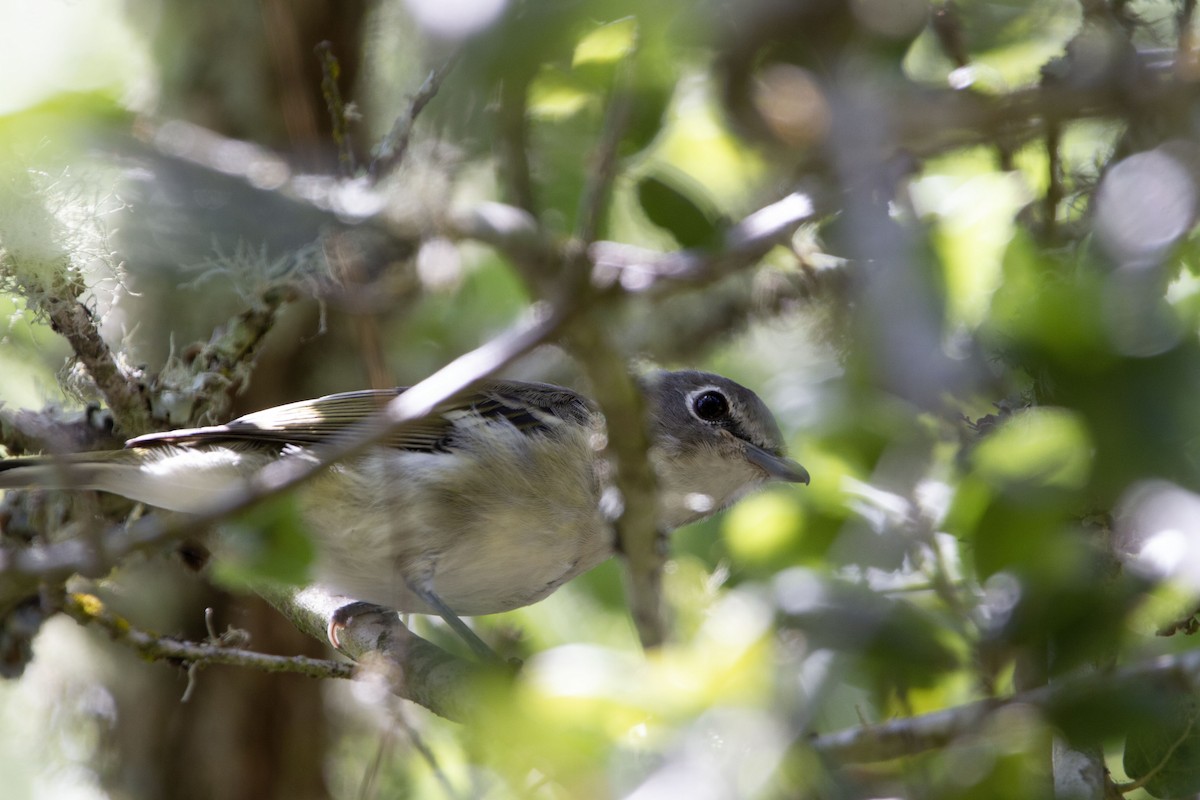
1187	64
947	27
912	735
513	141
392	148
427	755
600	177
338	118
1054	185
88	609
635	269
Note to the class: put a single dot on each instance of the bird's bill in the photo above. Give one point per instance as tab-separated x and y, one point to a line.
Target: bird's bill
777	467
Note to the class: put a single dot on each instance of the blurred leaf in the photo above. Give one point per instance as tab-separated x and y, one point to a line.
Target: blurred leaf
555	94
1097	712
1034	448
687	213
1170	748
1014	535
1142	414
901	644
1065	595
267	543
761	529
1059	321
607	43
62	121
1045	310
650	98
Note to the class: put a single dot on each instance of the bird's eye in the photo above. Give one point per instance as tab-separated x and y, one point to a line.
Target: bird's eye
710	406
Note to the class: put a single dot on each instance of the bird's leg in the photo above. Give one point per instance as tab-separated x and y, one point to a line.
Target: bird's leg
422	590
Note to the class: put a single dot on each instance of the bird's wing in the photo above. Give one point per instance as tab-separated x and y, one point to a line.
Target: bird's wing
531	407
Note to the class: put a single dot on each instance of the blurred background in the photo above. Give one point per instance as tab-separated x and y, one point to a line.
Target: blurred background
983	347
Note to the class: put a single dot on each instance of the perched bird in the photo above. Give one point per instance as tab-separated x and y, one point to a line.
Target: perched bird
490	503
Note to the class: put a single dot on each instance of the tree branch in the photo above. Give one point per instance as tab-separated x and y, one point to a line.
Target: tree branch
207	376
122	392
600	177
34	262
87	609
636	269
54	430
416	669
390	151
913	735
639	538
513	141
340	128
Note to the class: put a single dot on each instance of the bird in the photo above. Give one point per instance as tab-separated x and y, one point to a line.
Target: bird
491	502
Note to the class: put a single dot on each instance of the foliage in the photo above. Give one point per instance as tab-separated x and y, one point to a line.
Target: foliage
984	350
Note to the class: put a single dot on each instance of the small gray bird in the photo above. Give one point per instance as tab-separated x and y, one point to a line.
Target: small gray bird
489	504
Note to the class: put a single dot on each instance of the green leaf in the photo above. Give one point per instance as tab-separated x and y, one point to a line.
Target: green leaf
901	644
269	543
1170	749
683	210
1036	448
608	43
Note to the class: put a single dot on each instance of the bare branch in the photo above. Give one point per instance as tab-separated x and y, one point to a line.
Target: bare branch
330	72
638	536
36	264
56	431
390	151
514	145
635	269
87	609
912	735
603	170
123	392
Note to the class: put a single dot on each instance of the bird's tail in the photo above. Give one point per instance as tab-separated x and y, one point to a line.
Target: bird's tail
169	478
